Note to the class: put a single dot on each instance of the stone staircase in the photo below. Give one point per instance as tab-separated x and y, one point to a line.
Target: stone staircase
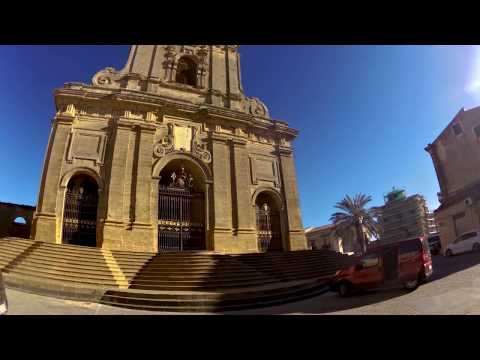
180	282
67	271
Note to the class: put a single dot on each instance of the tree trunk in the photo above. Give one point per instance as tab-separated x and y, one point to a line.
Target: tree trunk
361	238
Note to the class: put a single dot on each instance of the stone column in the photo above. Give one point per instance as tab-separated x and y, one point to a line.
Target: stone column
297	239
244	229
222	197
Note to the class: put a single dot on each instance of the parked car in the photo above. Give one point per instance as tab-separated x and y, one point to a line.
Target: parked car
435	245
406	262
469	241
3	297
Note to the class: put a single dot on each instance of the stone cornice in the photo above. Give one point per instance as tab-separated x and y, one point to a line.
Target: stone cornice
84	92
239	142
284	151
127	123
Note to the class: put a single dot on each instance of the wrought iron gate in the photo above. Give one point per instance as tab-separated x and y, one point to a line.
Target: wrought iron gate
80	217
177	229
268	228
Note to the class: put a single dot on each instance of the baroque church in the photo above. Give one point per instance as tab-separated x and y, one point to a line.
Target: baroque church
169	154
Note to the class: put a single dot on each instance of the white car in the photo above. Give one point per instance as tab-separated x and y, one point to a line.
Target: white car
469	241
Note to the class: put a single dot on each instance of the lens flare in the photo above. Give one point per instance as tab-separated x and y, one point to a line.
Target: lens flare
473	85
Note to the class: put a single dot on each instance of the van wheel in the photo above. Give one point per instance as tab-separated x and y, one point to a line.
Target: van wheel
344	289
476	247
448	253
411	285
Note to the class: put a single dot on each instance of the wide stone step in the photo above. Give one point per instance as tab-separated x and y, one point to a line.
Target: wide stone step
204	268
181	275
70	270
238	262
196	280
205	287
240	272
79	264
59	251
231	268
62	272
258	293
65	278
216	295
220	283
83	249
244	301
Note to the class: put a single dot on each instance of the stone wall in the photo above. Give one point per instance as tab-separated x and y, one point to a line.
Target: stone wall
8	213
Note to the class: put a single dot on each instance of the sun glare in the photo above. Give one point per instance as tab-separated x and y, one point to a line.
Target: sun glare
473	85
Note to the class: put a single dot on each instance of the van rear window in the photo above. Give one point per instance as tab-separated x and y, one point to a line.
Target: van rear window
409	246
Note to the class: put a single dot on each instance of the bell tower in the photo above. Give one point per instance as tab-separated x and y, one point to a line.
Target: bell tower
209	73
169	153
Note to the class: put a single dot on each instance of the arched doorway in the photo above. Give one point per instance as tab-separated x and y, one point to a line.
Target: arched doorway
268	223
80	212
181	208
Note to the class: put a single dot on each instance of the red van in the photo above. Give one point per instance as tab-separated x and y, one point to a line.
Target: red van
407	262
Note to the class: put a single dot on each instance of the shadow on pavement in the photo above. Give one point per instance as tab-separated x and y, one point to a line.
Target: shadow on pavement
443	266
330	302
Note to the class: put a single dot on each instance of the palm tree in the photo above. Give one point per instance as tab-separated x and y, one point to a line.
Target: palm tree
355	217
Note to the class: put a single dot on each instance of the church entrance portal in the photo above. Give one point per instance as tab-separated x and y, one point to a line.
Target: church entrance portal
268	224
181	224
80	214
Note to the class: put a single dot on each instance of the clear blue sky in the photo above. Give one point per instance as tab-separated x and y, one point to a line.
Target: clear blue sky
365	113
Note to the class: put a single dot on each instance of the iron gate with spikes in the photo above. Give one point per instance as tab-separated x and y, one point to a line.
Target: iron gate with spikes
268	228
80	217
177	230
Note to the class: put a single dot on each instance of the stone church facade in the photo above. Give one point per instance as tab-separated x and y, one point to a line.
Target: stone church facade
169	154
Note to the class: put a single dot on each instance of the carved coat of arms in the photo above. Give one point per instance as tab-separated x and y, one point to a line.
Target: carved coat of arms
182	138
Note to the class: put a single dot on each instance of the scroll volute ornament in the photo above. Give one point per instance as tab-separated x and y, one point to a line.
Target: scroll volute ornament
255	107
107	77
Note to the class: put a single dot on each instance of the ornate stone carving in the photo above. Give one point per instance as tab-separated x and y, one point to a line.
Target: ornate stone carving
256	107
107	77
200	146
183	139
165	145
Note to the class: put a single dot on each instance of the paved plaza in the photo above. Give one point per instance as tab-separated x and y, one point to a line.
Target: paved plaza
454	289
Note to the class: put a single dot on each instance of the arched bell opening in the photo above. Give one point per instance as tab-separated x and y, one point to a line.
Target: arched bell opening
269	234
80	212
186	72
181	207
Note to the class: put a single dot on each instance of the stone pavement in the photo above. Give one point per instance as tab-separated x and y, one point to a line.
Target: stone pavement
454	289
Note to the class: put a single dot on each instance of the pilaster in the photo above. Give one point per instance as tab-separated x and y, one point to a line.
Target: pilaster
222	197
297	239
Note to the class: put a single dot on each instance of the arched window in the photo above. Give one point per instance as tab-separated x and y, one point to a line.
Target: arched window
20	220
186	72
